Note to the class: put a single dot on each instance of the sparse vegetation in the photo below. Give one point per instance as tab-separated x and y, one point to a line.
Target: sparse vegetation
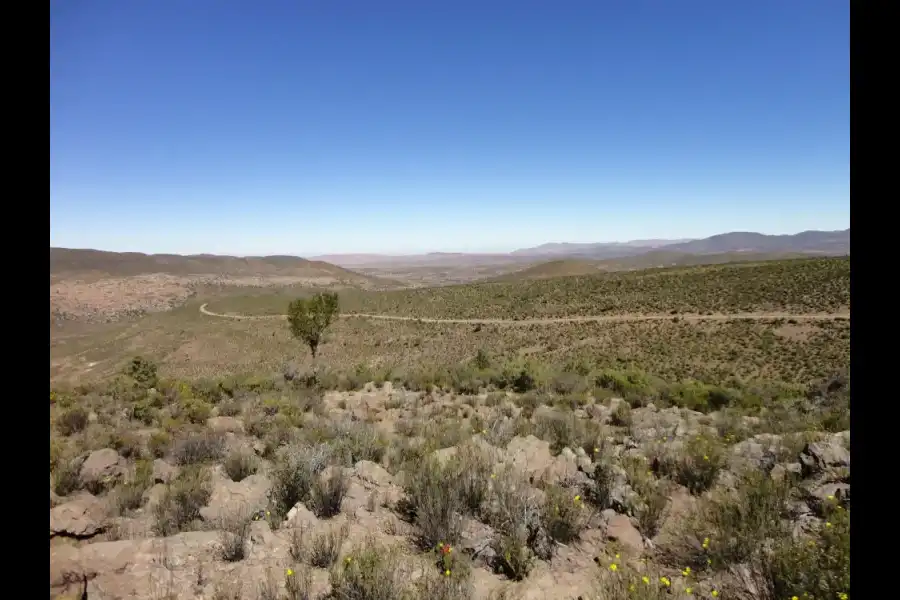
422	433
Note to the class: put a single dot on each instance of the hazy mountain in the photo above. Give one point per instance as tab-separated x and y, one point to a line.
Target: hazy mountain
813	242
595	249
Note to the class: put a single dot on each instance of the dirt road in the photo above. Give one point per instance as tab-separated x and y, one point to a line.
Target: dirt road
575	319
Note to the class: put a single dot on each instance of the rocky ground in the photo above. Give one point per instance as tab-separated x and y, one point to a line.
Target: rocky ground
159	490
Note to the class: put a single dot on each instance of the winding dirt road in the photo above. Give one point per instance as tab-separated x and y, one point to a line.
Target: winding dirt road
551	320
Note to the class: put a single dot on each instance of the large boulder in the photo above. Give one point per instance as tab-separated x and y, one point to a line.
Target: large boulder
81	517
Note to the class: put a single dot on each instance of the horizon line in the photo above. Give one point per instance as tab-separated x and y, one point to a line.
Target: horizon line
315	256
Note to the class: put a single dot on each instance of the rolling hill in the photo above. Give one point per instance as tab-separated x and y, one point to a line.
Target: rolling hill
66	262
650	260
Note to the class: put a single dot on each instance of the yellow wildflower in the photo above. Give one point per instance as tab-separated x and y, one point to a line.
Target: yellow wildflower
714	593
843	596
688	590
665	581
645	579
617	556
705	543
577	498
614	567
289	572
447	573
705	457
686	572
348	560
827	523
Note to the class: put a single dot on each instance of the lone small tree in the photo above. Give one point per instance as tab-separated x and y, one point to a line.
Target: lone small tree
308	318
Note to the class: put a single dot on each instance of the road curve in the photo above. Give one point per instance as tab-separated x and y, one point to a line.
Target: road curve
551	320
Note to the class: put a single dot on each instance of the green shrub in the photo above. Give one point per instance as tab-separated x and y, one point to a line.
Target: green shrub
817	566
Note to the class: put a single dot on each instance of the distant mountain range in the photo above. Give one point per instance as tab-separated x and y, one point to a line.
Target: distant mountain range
806	242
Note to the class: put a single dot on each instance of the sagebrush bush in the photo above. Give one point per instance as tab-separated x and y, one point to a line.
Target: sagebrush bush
234	530
198	448
433	503
653	494
72	420
514	511
182	501
130	495
327	492
469	472
325	548
357	440
370	572
815	566
240	464
293	475
297	584
729	526
567	430
67	477
698	464
159	443
514	556
619	581
564	514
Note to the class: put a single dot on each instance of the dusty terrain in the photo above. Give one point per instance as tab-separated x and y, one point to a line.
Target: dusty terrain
684	434
108	286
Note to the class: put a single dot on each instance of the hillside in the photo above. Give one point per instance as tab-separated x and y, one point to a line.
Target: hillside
104	286
822	242
650	260
67	262
808	285
554	268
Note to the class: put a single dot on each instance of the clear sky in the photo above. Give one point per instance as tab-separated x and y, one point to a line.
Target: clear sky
312	126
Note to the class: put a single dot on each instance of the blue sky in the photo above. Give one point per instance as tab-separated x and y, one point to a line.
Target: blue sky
309	127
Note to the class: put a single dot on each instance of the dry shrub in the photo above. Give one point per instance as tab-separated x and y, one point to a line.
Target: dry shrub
130	495
198	448
182	501
72	420
234	530
293	475
240	464
434	506
325	548
564	515
327	492
371	572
